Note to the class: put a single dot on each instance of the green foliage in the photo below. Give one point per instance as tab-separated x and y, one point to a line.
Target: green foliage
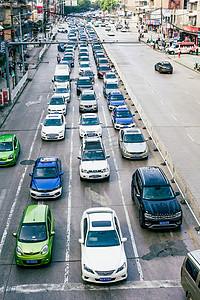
108	4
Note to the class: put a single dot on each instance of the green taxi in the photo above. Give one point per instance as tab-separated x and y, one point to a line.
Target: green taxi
9	149
34	236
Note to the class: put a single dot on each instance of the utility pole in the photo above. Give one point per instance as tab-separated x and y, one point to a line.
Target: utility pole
13	40
161	21
7	70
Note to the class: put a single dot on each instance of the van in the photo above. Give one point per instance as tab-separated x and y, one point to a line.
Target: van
61	75
184	47
190	275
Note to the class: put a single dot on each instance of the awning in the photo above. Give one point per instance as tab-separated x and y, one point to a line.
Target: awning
192	14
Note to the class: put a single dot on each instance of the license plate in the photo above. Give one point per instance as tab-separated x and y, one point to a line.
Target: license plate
2	162
44	195
91	134
136	155
164	223
105	278
52	137
31	261
95	176
87	108
125	126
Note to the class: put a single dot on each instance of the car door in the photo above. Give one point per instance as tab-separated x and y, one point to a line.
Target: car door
121	138
50	225
137	190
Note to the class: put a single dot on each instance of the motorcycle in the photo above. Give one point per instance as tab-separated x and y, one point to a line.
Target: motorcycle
197	66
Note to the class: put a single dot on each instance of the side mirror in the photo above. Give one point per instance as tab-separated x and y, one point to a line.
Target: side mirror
78	157
14	234
41	124
107	156
52	80
137	195
124	239
52	233
30	174
61	173
120	139
133	114
177	193
81	241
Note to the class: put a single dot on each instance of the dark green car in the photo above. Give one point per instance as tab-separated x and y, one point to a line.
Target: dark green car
9	149
35	236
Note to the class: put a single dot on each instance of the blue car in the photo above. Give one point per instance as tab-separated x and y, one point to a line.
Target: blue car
115	99
122	118
46	179
61	48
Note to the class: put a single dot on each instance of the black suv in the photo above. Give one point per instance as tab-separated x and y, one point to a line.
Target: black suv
155	199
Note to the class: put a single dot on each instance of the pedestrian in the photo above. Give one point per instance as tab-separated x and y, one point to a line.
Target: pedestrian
179	53
154	46
58	58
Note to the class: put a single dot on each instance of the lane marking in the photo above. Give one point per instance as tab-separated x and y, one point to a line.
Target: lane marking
128	285
162	102
69	207
174	117
5	232
124	204
190	137
2	196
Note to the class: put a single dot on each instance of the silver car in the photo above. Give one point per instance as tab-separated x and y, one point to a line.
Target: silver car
132	143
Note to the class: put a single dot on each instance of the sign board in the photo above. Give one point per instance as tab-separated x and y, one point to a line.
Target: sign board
5	95
175	42
175	34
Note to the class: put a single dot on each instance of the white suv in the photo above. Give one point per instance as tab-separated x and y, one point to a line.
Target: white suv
89	125
88	101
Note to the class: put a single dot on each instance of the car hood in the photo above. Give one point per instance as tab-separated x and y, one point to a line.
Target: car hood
88	102
32	247
93	128
108	91
46	184
57	107
62	94
162	206
124	120
109	258
5	154
94	164
135	147
52	129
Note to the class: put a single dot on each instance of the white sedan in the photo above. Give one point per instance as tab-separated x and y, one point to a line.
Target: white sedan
103	258
53	127
89	125
84	66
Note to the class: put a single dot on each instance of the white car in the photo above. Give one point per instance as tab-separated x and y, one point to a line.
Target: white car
89	125
93	161
57	105
53	127
84	66
111	33
103	258
132	143
110	76
61	90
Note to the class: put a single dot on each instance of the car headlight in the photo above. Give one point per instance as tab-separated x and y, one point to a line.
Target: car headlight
19	251
88	269
10	156
33	188
44	249
105	170
178	214
124	150
84	171
60	132
122	267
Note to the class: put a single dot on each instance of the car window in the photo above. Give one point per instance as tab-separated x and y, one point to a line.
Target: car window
57	101
89	155
49	221
105	238
192	270
6	146
117	226
90	121
58	166
33	232
158	193
133	138
85	228
52	122
138	183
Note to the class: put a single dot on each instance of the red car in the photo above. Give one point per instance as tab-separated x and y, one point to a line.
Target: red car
102	69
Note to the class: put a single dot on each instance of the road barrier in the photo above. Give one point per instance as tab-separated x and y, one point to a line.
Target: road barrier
18	87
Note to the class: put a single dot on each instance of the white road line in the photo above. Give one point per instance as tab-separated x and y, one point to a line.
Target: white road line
66	278
5	232
48	96
124	204
128	285
173	116
154	92
190	137
2	196
197	102
162	102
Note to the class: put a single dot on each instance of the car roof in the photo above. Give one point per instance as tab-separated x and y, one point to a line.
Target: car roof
121	108
84	77
89	115
6	137
88	92
53	116
35	213
132	130
100	219
153	176
47	161
116	93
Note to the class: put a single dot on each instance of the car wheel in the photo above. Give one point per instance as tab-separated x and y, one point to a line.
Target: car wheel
172	52
155	68
171	72
81	179
141	219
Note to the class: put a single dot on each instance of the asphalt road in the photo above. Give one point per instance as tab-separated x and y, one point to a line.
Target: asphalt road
154	257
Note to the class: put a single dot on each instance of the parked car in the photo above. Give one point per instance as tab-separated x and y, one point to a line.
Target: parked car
164	67
101	238
155	199
132	143
34	238
53	127
122	118
89	125
9	149
46	181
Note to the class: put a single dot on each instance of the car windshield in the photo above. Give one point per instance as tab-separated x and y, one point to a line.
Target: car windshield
33	232
107	238
88	73
93	155
53	122
57	101
90	121
133	138
84	81
116	97
84	66
123	114
84	58
104	68
61	78
167	65
158	193
67	58
61	90
112	86
45	173
110	76
88	97
103	61
6	146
